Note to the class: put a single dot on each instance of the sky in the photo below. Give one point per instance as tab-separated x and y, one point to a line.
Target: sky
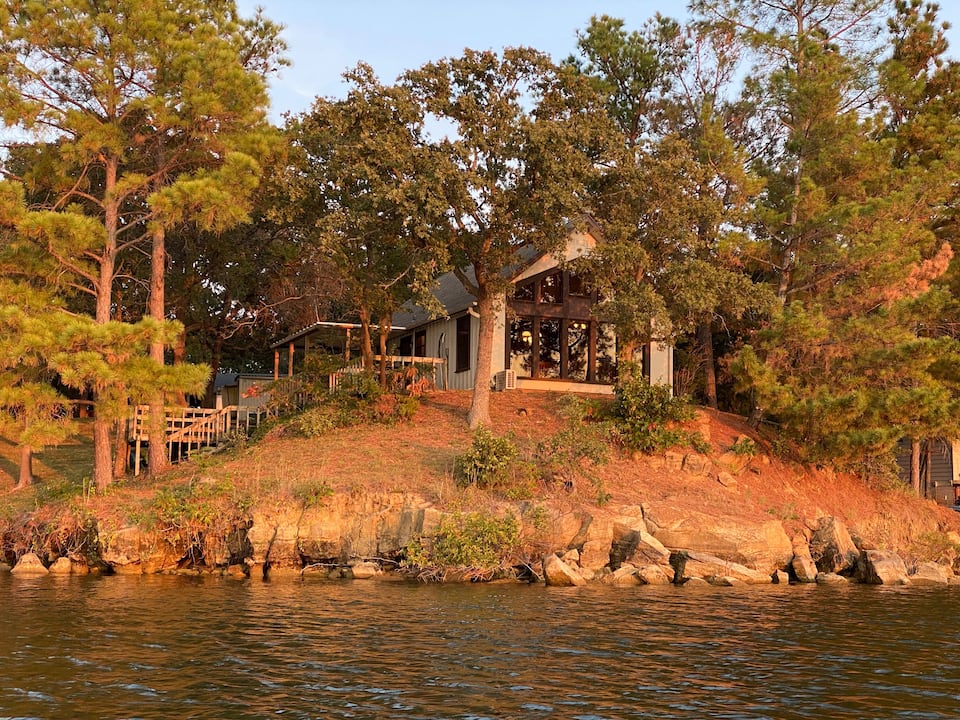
327	37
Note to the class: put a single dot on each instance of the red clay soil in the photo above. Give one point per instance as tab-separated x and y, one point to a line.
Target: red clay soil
418	456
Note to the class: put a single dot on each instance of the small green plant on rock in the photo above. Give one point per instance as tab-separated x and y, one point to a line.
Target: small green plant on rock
744	447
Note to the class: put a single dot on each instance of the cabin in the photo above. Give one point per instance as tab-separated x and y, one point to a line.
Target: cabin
546	336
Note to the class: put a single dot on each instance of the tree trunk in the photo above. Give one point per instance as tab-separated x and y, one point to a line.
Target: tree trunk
157	448
366	345
26	467
915	465
179	358
102	457
384	331
705	342
479	412
121	455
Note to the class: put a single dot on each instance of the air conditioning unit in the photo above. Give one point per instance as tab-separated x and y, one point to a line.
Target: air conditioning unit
505	380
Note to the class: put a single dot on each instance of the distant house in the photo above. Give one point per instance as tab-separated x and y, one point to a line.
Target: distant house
546	336
939	468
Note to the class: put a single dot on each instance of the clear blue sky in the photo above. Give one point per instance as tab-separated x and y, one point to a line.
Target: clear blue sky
326	37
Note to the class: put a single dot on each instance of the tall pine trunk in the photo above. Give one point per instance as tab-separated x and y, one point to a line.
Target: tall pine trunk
157	448
384	332
102	455
26	467
915	449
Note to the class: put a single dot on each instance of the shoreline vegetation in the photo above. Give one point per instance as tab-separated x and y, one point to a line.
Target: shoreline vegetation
549	492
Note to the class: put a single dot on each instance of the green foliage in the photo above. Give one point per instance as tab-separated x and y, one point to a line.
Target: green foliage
487	463
312	494
744	447
473	541
647	416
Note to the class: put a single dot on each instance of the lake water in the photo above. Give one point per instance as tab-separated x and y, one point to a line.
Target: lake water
174	647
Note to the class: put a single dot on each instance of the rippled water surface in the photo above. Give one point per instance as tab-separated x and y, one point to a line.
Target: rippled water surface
167	647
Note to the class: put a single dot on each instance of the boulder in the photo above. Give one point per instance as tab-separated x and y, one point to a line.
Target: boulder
696	464
831	579
930	573
880	567
727	480
695	582
29	564
832	548
723	581
706	566
365	570
624	576
61	566
558	574
779	577
655	575
594	555
4	567
804	569
633	544
132	551
571	557
760	544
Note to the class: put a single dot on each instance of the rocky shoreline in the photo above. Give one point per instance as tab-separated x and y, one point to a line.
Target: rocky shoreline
366	536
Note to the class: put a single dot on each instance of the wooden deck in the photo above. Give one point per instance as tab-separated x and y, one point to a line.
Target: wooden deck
189	429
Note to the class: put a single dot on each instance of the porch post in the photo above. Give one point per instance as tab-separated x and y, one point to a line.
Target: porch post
346	348
276	364
290	360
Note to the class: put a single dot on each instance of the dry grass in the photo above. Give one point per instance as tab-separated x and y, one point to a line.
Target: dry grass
418	457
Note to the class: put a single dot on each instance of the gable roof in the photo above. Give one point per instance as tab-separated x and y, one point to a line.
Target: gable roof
455	298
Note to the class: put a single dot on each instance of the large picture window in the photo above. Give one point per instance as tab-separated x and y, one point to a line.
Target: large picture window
553	333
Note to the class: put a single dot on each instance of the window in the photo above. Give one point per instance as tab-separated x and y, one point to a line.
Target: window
578	286
463	343
551	289
578	349
524	292
405	348
549	349
420	343
521	347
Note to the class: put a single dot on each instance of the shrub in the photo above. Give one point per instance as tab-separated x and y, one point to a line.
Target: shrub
474	543
647	416
488	461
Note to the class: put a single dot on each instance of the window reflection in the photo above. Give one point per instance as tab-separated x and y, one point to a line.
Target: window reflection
549	354
521	347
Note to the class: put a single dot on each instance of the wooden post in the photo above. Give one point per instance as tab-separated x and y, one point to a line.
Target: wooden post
290	360
346	348
276	364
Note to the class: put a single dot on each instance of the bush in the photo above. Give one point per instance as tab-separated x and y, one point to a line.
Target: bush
474	543
488	461
647	416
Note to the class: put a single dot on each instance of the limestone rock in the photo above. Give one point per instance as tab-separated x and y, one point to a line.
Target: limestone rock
673	460
624	576
695	582
804	569
880	567
761	544
696	464
595	555
365	570
832	548
726	479
780	577
571	557
723	581
558	574
655	575
61	566
706	566
4	567
831	579
930	573
29	564
632	543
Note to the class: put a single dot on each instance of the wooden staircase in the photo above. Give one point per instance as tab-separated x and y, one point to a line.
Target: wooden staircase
190	429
